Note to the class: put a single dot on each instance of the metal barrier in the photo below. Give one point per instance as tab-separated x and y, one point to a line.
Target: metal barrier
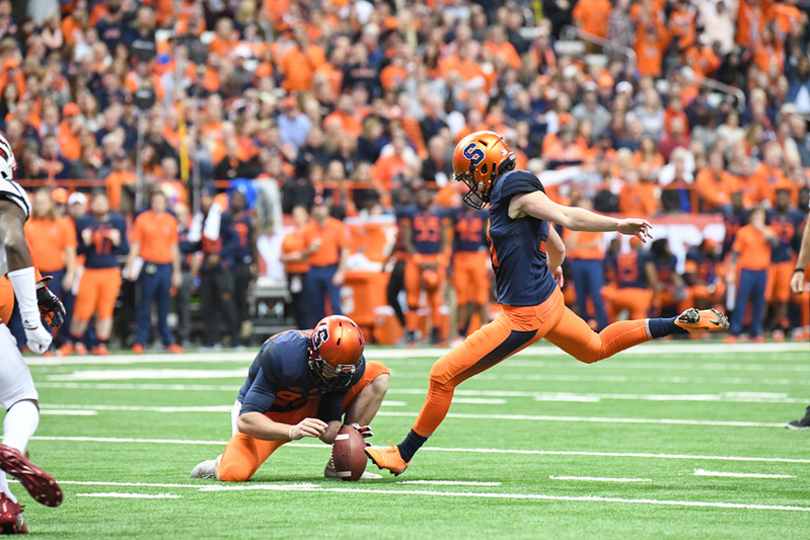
572	32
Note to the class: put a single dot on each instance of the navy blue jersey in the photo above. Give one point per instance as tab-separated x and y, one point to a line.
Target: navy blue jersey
100	251
629	270
469	230
733	223
665	269
403	215
279	380
243	226
703	266
787	229
518	246
427	228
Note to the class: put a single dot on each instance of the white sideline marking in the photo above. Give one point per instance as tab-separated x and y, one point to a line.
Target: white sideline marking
130	495
537	418
701	472
314	487
124	374
123	484
394	403
373	353
479	401
449	483
524	496
605	420
62	412
599	479
438	449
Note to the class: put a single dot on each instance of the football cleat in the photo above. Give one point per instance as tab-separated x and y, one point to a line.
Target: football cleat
80	348
801	423
330	472
11	519
706	320
100	350
206	469
387	458
41	485
65	350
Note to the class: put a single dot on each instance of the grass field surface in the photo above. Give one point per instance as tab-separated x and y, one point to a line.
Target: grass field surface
669	440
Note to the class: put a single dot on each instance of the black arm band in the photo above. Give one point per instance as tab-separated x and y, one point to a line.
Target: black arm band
798	270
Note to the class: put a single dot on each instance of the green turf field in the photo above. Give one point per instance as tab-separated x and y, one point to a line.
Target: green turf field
541	446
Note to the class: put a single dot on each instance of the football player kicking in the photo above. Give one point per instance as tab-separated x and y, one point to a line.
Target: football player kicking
17	392
527	254
301	384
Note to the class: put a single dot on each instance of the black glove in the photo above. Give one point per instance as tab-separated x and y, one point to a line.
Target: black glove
50	307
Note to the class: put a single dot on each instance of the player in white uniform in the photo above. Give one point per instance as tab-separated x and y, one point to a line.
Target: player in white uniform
18	395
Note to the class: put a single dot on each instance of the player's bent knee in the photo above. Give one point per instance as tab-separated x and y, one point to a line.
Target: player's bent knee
235	472
379	386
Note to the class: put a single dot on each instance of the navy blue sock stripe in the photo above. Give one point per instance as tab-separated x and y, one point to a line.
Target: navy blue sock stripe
410	445
660	327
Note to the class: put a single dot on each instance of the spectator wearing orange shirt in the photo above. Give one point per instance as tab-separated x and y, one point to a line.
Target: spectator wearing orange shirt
501	48
715	185
768	174
592	16
52	240
299	63
121	176
650	48
295	256
345	113
328	241
154	241
751	252
224	41
69	132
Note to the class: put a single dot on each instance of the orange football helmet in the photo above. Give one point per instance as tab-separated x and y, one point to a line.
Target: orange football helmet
478	160
335	350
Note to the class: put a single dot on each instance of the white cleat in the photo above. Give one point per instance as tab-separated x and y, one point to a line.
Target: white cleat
329	472
206	469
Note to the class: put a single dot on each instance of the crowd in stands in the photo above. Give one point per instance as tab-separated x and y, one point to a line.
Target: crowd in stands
353	107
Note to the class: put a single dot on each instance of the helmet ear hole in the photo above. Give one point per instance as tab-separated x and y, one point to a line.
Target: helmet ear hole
484	168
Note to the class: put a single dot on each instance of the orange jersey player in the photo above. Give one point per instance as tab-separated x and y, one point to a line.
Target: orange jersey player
636	281
102	237
470	274
301	384
424	234
526	254
785	224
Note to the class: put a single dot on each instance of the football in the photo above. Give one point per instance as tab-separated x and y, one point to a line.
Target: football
348	454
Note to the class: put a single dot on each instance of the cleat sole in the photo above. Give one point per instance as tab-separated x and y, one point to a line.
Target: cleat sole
39	484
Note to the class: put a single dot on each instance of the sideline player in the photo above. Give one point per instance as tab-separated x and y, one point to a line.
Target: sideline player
17	392
527	254
470	279
798	284
300	385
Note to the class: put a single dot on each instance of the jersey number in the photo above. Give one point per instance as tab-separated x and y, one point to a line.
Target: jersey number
473	153
101	242
469	230
427	228
628	269
242	230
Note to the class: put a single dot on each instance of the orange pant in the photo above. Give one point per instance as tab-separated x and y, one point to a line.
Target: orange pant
6	299
470	278
701	293
98	291
778	286
415	282
513	330
636	301
244	455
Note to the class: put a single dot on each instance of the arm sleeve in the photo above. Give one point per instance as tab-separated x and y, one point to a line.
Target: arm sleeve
518	183
260	396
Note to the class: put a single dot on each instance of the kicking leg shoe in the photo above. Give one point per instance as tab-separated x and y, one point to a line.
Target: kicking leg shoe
11	519
206	469
41	485
330	472
706	320
802	423
387	458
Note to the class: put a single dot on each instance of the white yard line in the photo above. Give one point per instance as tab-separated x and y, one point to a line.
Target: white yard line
479	401
438	449
462	494
466	416
596	419
701	472
112	495
373	353
127	374
448	483
600	479
61	412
